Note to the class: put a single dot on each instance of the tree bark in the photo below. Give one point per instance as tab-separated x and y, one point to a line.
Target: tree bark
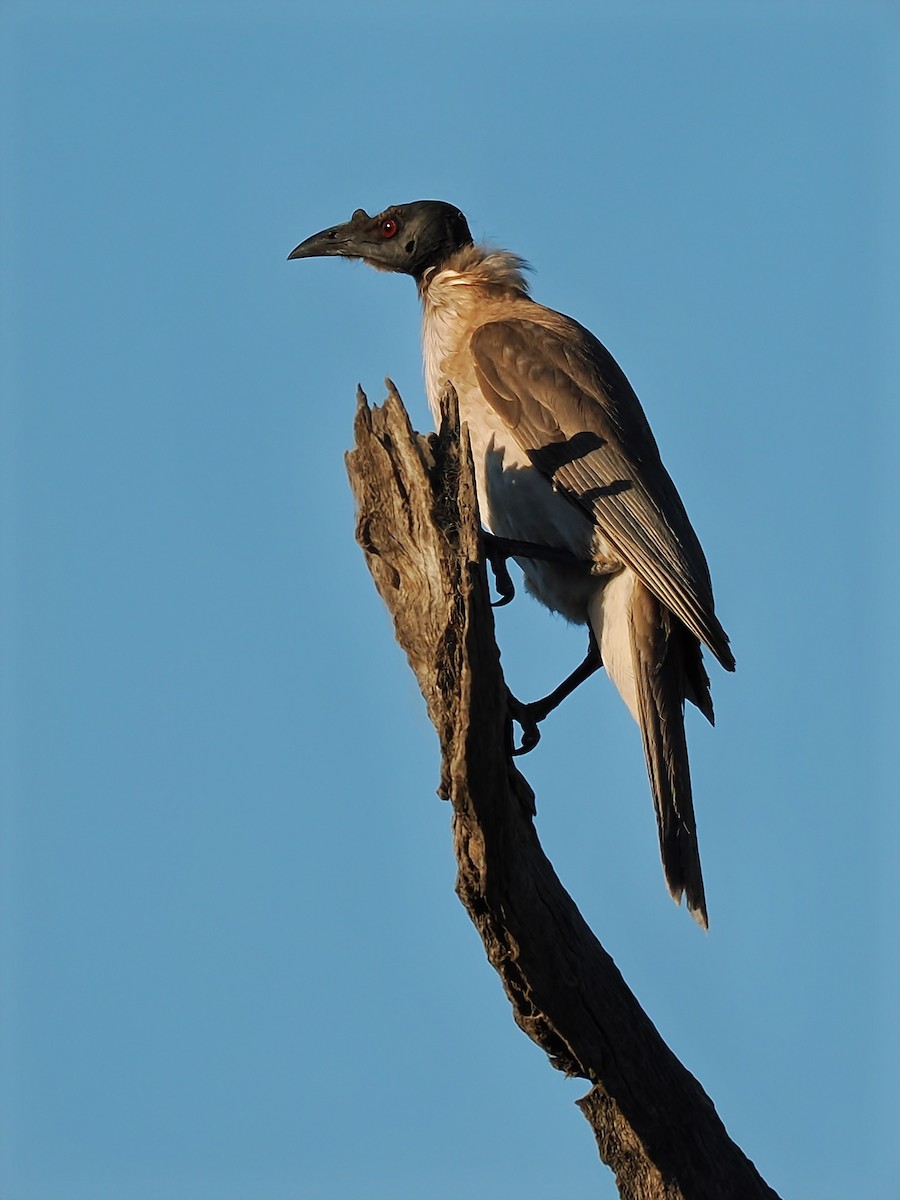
418	525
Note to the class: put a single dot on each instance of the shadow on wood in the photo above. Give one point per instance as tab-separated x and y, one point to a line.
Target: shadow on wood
419	528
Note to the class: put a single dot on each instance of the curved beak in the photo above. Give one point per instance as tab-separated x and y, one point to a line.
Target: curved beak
357	238
336	240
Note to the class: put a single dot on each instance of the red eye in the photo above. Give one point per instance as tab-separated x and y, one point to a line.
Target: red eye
388	227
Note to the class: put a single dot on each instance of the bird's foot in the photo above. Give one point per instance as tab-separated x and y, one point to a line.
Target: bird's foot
499	550
498	557
528	717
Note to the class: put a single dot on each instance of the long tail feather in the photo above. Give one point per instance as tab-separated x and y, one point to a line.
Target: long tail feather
664	671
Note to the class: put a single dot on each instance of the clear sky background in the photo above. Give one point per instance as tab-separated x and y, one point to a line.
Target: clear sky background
233	966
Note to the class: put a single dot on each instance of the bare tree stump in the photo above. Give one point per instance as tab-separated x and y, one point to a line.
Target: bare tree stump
419	528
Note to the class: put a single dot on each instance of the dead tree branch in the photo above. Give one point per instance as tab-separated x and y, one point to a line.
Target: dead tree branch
418	525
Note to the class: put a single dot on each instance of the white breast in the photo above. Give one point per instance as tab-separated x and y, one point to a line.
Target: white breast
444	325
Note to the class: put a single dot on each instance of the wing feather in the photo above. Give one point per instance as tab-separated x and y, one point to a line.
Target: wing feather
572	410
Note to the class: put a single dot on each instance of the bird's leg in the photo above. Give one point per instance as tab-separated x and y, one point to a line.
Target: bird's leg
530	715
498	551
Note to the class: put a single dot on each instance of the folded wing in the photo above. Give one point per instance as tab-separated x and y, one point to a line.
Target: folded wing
572	410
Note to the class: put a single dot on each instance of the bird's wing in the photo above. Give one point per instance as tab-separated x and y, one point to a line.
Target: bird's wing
570	407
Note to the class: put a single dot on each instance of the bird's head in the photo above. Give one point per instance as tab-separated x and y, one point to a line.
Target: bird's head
408	238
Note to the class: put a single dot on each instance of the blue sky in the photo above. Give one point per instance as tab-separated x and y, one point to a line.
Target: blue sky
233	964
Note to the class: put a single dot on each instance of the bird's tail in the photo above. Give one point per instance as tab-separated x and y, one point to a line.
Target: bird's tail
666	670
656	665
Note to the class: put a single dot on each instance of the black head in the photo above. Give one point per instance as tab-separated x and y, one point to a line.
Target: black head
406	237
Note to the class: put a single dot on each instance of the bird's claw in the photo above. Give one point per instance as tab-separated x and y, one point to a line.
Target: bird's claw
498	558
524	716
505	587
498	550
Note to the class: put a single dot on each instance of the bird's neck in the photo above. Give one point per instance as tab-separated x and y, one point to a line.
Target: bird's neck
476	266
457	297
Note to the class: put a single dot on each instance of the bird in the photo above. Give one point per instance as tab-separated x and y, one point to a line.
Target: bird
565	460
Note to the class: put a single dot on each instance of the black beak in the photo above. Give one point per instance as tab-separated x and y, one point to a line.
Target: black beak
336	240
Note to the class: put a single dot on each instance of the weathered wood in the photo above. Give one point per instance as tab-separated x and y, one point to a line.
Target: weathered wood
418	526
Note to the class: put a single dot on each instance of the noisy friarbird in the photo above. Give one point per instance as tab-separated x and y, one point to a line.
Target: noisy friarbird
565	459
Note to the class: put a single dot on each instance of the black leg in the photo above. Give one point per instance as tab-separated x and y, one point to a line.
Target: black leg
499	550
498	558
529	716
